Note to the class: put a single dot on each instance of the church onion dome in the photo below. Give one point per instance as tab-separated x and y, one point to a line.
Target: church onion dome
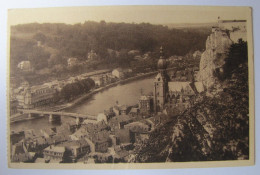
162	64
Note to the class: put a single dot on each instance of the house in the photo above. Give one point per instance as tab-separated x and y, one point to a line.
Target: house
16	137
140	130
92	55
145	104
102	157
35	144
134	52
60	138
25	66
88	128
102	145
89	121
101	140
54	153
124	136
102	117
77	148
124	109
160	119
98	82
109	113
121	109
99	126
118	73
68	128
13	106
48	132
150	122
96	133
138	127
119	122
19	153
30	133
134	111
72	61
98	79
121	155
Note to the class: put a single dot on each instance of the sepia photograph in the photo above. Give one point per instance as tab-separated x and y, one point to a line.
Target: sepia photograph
130	87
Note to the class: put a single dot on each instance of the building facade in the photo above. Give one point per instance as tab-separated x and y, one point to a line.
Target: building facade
172	92
35	96
146	104
54	153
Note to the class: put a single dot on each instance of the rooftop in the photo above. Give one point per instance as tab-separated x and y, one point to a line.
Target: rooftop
60	149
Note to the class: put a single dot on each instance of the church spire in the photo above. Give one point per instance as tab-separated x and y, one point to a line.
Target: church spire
160	83
161	52
161	65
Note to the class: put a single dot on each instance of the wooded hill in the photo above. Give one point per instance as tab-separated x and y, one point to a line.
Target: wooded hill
110	41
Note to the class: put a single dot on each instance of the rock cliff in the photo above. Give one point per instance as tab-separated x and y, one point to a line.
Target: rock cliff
217	46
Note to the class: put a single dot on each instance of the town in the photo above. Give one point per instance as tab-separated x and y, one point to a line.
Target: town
111	136
116	135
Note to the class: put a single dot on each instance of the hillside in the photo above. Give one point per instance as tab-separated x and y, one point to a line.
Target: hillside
216	127
48	46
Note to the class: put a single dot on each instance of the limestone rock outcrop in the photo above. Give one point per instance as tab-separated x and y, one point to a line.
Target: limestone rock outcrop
217	46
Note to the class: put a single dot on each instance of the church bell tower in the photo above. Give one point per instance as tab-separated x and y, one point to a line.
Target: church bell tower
160	83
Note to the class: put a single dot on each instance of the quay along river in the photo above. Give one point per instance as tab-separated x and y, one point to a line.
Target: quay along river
128	94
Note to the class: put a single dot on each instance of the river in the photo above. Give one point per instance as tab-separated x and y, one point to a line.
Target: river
127	94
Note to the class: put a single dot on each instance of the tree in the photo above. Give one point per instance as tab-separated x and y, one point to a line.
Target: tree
40	37
56	59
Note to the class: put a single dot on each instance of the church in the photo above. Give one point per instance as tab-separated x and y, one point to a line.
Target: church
170	93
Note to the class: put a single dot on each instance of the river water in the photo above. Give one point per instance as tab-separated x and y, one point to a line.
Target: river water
127	94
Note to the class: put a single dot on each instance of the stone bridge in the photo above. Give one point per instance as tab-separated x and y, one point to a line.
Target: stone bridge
56	115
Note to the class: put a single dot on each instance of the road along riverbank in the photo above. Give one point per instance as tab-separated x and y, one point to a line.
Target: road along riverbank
18	117
90	94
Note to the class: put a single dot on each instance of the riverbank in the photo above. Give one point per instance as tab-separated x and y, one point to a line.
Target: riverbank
81	99
90	94
69	106
124	81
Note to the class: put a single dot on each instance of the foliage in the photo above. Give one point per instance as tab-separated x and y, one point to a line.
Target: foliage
79	39
77	88
236	56
214	128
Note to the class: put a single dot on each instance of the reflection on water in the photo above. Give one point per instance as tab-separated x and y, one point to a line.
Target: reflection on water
125	94
38	123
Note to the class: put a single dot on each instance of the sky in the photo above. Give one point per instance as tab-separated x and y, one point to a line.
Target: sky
127	14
